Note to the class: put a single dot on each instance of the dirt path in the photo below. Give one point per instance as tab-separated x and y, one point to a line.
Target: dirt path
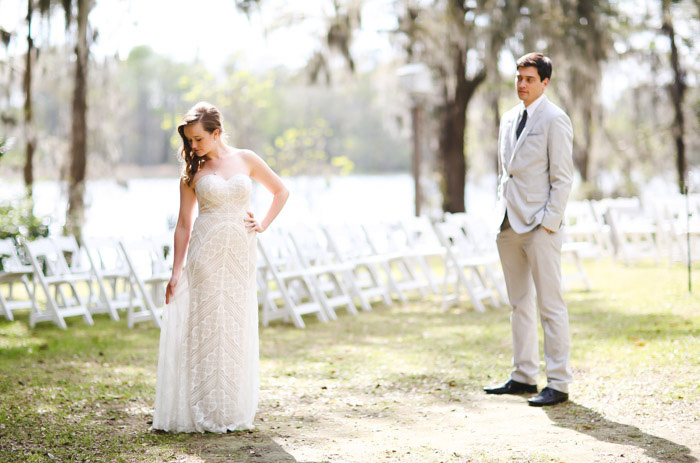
403	384
480	429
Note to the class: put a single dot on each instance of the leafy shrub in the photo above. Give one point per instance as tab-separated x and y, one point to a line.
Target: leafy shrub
17	219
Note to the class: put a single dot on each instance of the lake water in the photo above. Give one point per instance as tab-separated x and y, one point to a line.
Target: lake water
144	207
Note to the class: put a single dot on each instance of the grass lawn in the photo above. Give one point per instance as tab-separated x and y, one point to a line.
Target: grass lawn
399	383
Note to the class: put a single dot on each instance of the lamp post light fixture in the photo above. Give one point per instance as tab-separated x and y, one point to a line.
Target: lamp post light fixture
415	80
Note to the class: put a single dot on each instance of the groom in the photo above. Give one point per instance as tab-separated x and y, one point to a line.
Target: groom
535	174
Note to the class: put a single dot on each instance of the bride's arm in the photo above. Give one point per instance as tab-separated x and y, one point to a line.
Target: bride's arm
263	174
183	229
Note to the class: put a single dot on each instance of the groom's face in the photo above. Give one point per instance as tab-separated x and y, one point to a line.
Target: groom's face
529	85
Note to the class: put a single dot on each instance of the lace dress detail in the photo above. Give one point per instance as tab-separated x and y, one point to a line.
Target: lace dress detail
208	357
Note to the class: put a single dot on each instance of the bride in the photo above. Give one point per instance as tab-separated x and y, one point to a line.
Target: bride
208	357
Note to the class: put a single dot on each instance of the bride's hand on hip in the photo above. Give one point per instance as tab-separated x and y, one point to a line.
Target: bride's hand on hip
170	289
251	224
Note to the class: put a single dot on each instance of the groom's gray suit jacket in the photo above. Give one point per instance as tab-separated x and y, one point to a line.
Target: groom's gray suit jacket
535	170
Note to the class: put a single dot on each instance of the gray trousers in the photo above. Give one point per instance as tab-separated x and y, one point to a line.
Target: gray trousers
527	258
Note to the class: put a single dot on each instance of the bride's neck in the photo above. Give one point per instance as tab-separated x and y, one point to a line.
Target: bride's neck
221	151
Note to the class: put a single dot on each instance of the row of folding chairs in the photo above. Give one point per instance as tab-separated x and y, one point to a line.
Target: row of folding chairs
321	269
301	270
63	279
663	228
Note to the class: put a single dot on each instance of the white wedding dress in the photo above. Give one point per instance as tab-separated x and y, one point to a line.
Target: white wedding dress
208	358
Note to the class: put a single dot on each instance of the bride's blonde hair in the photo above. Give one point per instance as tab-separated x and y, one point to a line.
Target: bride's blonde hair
211	119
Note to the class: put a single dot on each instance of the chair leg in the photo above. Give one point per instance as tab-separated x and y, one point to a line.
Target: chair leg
5	308
392	282
356	290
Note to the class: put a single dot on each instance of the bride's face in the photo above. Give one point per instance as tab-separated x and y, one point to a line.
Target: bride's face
201	141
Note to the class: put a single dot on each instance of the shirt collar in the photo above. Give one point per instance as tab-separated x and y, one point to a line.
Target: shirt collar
533	106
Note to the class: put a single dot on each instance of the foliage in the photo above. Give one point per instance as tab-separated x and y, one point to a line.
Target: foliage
17	219
5	145
302	151
259	110
612	73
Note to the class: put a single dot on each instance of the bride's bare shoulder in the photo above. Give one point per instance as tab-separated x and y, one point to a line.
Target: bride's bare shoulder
250	157
247	154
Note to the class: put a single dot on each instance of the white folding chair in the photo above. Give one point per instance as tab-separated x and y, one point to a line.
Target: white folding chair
164	245
388	240
287	292
678	225
479	241
111	275
572	251
635	235
13	271
149	277
73	261
51	271
581	226
464	267
349	245
329	276
424	244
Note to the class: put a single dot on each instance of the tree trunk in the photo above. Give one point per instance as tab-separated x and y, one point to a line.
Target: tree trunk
29	132
677	91
76	190
453	122
583	150
496	129
454	164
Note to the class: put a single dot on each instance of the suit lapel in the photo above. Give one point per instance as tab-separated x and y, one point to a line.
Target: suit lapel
532	121
510	140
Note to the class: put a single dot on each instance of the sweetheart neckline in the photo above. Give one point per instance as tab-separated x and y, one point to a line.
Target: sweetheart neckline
224	179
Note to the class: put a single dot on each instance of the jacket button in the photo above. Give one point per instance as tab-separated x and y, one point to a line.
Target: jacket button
511	175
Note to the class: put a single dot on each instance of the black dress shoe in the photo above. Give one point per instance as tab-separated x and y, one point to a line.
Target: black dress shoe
512	387
548	396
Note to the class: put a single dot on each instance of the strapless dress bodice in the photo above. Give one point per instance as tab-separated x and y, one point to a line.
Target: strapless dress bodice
223	196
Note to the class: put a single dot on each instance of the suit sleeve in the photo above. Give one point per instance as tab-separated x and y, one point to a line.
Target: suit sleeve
498	158
561	170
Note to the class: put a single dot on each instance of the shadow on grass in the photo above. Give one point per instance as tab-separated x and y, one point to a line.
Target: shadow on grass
241	447
592	423
593	319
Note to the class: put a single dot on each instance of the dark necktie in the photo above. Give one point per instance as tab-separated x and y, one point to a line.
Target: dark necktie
521	126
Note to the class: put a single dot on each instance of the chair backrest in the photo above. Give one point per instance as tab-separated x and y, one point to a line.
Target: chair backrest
310	244
45	257
474	233
105	255
579	213
143	258
348	241
454	238
9	258
420	232
278	251
164	245
72	258
384	237
621	207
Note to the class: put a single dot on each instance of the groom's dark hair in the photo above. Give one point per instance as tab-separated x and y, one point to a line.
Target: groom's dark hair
538	60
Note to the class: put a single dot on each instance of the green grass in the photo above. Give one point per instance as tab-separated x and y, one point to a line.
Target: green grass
86	394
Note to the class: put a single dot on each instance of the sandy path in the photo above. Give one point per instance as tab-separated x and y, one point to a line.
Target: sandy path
482	429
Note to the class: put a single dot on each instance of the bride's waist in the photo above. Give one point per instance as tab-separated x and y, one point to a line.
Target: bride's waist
219	213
